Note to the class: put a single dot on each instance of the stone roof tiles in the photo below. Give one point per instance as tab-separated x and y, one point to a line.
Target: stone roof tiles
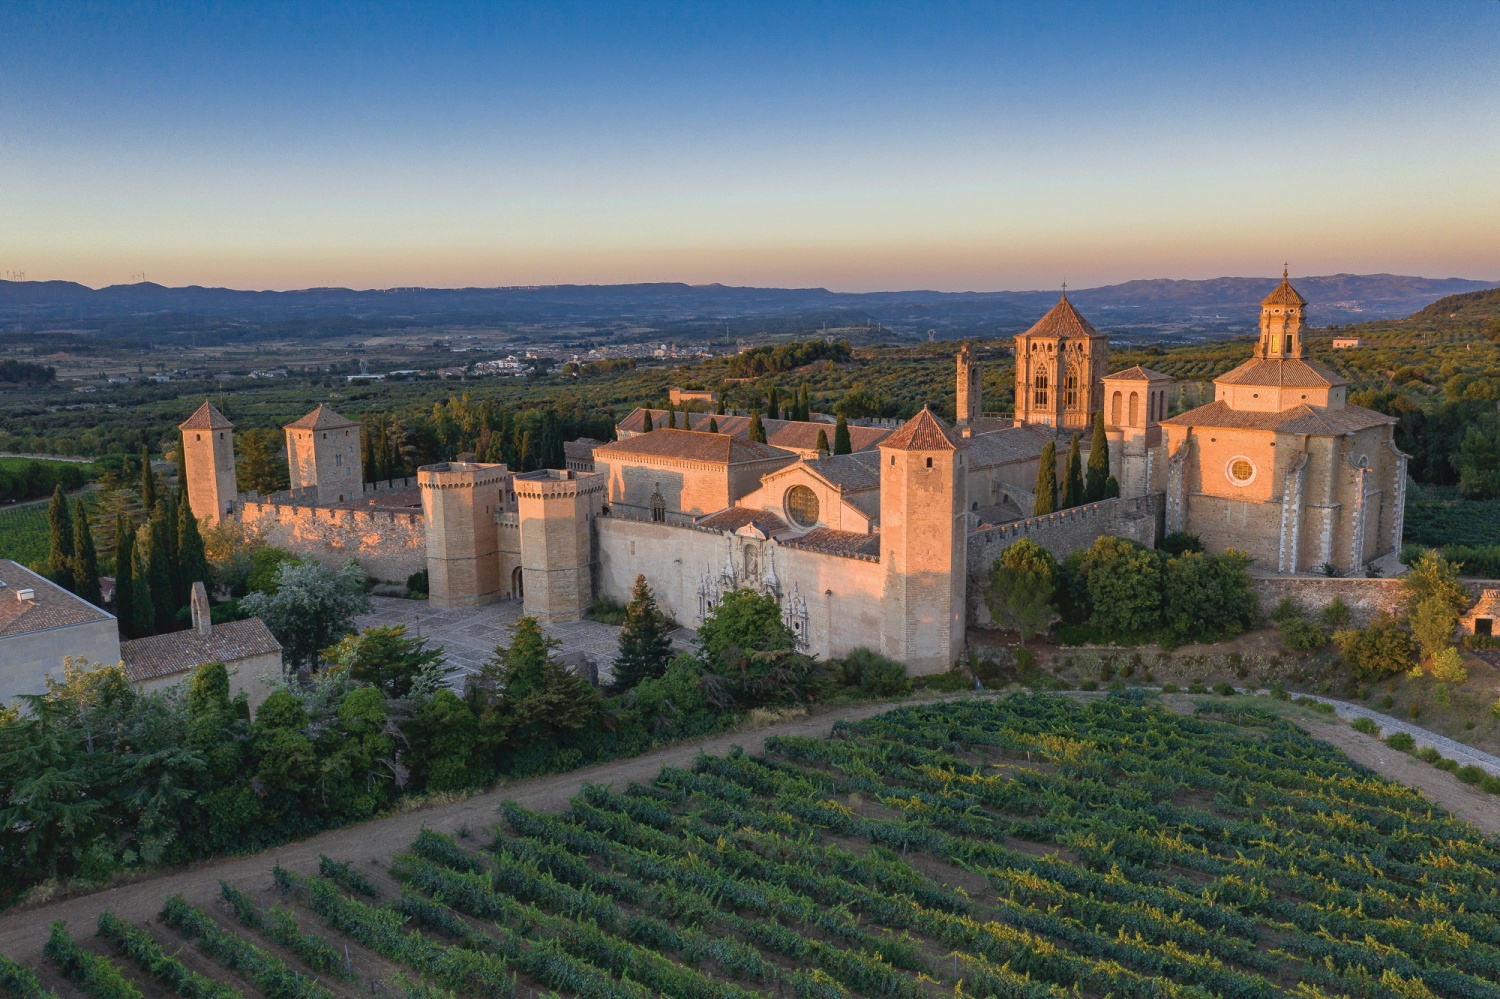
322	418
691	445
1303	419
800	435
50	606
206	417
735	517
581	449
164	655
1139	374
851	472
827	541
923	432
1001	447
1284	294
1281	371
1063	320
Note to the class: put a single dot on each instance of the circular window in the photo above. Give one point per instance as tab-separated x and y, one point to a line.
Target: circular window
802	506
1240	470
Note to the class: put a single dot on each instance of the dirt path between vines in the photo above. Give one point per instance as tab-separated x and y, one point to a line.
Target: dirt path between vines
23	932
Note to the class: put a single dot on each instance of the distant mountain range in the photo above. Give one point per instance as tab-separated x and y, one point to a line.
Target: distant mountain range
1211	306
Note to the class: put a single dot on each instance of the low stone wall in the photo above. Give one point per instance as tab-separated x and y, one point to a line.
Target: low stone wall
1061	533
388	545
1366	598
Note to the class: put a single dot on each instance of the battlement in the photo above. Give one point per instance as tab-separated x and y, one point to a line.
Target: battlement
558	482
460	474
257	511
1115	508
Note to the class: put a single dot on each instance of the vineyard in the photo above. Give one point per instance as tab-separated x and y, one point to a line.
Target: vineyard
1034	847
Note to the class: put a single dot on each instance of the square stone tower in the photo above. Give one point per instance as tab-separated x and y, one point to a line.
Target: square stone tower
970	400
924	543
557	508
1060	366
460	501
1135	403
208	456
325	456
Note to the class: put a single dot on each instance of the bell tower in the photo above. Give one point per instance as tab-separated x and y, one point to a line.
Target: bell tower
1281	323
970	401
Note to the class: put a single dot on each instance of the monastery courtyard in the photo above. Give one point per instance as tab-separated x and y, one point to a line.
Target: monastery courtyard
468	635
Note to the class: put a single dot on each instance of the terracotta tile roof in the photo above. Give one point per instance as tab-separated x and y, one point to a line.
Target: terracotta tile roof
850	544
1284	294
690	445
1274	371
164	655
799	435
1001	447
735	517
1062	320
322	418
853	472
581	449
206	417
1303	419
923	432
51	606
1139	374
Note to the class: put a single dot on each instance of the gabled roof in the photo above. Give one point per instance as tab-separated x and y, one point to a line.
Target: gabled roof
1001	447
850	544
50	607
733	518
1138	374
322	418
801	435
923	432
580	450
1291	371
178	651
206	417
1303	419
690	445
1062	320
850	472
1284	294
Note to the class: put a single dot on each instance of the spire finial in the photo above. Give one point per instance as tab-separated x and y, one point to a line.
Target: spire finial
1065	287
1283	271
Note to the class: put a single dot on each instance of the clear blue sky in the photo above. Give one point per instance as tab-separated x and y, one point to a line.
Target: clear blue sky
852	146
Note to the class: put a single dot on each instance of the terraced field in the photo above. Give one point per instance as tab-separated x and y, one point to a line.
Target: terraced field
1034	847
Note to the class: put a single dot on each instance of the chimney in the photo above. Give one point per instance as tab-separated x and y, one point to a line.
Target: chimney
26	595
202	621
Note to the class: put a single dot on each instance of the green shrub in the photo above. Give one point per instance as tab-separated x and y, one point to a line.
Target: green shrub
1197	688
418	582
142	948
1387	702
948	682
1169	688
1279	692
1335	615
1401	741
607	610
1117	685
95	975
1482	642
1363	693
21	981
1471	774
1223	689
1446	764
1089	685
1301	635
874	674
1490	784
347	876
1286	610
1382	649
1428	754
1415	711
1366	725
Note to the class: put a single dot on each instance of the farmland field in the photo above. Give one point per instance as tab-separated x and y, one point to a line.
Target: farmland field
1033	847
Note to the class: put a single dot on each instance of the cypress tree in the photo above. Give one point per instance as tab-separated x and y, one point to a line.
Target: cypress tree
1093	490
159	572
169	523
142	600
644	646
182	461
822	441
367	449
526	458
671	416
192	562
757	429
124	553
713	425
85	558
1073	481
1046	481
148	482
773	405
720	410
60	541
646	421
687	419
1111	488
841	443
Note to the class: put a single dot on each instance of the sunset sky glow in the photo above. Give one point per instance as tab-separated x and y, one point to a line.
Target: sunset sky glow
958	147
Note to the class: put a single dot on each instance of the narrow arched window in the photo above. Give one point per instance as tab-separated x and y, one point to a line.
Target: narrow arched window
1070	389
1114	409
1135	407
1039	388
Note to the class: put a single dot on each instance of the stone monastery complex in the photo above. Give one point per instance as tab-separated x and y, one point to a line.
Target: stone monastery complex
887	547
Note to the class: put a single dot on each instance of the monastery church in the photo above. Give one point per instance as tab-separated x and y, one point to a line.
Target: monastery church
887	547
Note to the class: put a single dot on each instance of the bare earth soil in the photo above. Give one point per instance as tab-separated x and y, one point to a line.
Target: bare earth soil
22	932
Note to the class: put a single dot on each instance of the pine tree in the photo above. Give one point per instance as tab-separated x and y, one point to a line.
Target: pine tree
1046	481
646	426
85	558
1093	490
148	482
1073	481
60	541
671	416
841	443
192	562
124	552
757	429
773	405
142	600
713	425
644	646
822	441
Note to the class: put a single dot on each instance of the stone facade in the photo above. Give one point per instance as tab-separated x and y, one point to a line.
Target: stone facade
388	544
208	456
325	457
556	510
462	504
1060	366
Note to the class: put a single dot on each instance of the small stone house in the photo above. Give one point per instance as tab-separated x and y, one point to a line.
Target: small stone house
247	648
1483	616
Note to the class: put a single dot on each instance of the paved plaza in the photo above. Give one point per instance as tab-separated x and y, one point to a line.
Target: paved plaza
468	635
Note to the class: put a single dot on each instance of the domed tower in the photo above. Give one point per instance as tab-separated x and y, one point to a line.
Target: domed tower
924	543
1281	323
